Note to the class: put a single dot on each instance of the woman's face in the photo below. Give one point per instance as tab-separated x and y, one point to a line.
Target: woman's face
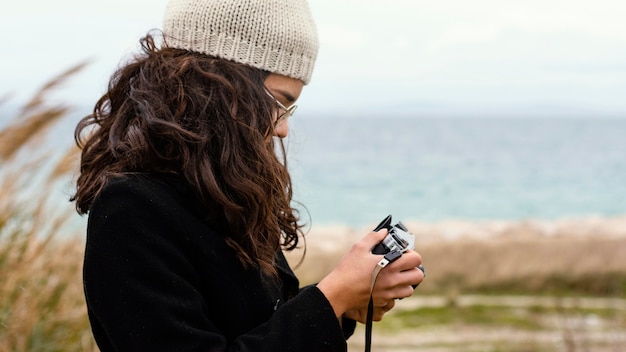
286	91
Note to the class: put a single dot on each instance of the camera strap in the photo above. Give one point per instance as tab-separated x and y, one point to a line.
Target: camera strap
386	260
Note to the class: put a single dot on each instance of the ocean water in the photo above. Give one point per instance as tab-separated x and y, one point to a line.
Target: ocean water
357	170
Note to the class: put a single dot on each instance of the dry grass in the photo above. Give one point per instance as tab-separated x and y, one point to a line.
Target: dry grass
41	301
516	258
537	266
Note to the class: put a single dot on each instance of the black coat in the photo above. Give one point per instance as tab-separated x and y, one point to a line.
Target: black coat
159	278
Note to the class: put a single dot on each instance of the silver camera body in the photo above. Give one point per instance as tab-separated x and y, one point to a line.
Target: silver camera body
398	238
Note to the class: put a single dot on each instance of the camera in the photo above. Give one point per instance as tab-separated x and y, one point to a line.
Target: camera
398	238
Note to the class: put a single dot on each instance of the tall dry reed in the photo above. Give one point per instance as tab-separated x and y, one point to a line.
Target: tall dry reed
41	301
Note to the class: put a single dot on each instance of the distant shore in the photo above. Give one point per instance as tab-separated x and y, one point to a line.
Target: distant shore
326	237
586	255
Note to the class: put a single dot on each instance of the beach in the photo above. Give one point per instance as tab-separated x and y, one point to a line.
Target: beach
491	250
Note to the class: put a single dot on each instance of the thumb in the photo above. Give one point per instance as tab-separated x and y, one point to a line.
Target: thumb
375	237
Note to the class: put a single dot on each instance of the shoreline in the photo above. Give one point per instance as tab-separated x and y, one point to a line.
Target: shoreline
605	227
587	254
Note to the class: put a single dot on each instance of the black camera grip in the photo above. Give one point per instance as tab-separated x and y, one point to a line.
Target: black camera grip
385	224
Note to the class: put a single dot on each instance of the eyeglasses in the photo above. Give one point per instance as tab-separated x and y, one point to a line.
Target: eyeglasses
287	111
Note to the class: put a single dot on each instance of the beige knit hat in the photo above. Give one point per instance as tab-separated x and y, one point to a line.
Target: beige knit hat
278	36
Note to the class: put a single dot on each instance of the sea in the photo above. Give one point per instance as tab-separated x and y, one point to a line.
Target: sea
357	170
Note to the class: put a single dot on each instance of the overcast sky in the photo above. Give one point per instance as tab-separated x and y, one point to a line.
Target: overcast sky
413	57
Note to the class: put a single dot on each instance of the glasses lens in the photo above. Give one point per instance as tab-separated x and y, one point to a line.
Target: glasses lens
288	111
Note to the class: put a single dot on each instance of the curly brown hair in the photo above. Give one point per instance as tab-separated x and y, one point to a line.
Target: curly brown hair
207	120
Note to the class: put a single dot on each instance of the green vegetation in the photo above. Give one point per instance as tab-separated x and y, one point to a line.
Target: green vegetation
502	323
471	315
531	318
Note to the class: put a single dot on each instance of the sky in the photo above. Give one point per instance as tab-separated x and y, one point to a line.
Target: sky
405	57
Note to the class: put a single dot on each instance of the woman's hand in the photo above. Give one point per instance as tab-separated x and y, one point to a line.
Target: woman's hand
396	280
360	315
347	287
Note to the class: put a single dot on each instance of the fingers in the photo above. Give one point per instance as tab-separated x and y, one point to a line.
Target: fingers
388	306
373	238
404	271
409	260
379	312
391	295
396	284
412	277
348	285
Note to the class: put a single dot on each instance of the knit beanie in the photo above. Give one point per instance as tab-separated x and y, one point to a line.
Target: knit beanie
278	36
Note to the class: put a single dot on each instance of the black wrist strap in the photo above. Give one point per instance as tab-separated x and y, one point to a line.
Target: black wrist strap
387	259
368	325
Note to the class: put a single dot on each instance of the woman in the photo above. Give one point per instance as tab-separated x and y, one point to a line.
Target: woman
189	205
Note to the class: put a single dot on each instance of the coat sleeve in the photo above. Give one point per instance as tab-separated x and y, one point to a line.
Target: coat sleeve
141	290
348	325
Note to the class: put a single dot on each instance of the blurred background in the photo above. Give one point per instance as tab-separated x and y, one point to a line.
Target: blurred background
495	129
403	57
